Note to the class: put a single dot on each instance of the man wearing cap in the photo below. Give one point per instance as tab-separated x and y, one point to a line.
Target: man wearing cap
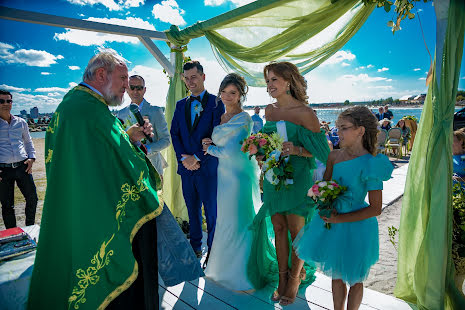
17	155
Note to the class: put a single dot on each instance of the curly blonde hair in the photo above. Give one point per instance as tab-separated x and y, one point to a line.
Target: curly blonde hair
289	72
362	116
460	135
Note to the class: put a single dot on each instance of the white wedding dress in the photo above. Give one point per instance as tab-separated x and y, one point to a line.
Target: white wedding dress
238	201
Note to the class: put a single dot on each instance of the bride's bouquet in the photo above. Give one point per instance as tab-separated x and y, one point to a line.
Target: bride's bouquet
276	168
324	193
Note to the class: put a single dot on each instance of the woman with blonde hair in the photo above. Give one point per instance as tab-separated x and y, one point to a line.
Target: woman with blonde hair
288	206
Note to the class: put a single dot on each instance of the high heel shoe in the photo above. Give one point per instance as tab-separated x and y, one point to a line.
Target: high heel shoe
276	297
285	300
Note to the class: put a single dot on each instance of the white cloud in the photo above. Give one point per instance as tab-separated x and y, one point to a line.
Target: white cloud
4	48
345	64
389	80
361	67
169	12
462	78
381	87
110	4
13	88
88	38
27	101
422	79
33	58
220	2
74	68
338	57
50	89
363	77
416	69
72	84
45	73
383	69
370	66
55	94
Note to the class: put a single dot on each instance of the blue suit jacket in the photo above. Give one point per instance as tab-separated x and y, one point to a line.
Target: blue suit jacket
187	139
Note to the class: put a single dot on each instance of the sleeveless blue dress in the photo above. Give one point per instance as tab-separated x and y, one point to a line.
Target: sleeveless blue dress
347	250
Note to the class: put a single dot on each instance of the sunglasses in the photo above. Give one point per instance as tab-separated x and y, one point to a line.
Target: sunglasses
2	101
138	87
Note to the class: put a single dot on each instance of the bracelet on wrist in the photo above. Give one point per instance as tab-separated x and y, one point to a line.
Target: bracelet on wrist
300	151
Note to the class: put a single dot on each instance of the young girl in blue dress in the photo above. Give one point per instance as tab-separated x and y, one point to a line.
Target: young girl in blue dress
347	250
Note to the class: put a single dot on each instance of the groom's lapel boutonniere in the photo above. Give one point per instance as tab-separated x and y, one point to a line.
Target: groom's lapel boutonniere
198	109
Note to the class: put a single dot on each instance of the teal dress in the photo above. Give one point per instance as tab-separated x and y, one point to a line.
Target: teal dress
347	250
263	265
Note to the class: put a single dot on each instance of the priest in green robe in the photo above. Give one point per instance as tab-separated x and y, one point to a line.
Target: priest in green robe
98	240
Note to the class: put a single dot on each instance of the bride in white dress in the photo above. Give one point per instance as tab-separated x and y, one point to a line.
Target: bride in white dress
238	190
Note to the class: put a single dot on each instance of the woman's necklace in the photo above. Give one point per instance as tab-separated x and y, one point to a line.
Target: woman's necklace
228	115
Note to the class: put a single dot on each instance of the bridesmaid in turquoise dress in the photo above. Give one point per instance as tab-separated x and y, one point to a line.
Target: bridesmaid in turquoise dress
288	207
347	250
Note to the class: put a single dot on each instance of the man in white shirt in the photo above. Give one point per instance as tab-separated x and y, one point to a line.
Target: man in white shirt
17	155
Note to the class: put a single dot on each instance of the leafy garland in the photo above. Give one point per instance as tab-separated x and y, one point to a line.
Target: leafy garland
403	9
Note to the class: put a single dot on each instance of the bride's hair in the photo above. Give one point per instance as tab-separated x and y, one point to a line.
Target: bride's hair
236	80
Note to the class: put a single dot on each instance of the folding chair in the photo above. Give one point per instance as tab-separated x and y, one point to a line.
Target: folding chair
381	145
394	141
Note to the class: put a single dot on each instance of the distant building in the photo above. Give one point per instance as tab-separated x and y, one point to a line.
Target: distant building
34	112
419	99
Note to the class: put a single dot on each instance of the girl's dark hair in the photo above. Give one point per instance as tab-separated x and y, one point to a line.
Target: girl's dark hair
398	123
362	116
238	81
289	72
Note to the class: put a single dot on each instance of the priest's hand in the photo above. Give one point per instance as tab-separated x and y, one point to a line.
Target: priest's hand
137	132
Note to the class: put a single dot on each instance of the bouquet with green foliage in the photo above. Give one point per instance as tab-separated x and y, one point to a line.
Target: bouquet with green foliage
276	168
324	193
458	232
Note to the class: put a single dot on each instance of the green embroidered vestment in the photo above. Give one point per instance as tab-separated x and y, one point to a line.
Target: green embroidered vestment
100	191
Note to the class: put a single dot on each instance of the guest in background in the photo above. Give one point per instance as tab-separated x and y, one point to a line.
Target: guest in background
385	124
388	113
257	120
17	155
161	138
380	114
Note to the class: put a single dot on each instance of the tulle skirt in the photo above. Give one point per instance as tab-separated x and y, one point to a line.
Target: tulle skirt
345	251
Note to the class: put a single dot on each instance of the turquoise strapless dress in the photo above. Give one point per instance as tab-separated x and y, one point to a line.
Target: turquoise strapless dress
263	265
347	250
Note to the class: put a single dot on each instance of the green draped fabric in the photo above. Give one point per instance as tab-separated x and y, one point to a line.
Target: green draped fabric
172	190
100	191
301	31
425	274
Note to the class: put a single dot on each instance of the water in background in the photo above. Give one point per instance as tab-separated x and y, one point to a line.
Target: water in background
328	115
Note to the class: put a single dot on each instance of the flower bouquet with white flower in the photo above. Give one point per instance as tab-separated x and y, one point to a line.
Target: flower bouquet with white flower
324	193
261	144
278	170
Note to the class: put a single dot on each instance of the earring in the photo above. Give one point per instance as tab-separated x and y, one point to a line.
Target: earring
288	91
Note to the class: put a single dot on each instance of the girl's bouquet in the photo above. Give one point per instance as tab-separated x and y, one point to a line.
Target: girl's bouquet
324	193
276	168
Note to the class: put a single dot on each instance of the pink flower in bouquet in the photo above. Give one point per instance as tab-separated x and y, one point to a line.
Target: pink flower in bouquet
243	147
253	149
315	189
261	142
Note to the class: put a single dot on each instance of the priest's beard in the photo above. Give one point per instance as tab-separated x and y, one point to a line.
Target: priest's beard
111	99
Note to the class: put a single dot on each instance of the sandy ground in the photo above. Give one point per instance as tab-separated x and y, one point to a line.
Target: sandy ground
382	276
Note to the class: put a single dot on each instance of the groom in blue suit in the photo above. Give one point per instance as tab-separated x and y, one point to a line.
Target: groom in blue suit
194	119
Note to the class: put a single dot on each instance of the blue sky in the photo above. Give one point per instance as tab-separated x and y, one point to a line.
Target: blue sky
39	63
